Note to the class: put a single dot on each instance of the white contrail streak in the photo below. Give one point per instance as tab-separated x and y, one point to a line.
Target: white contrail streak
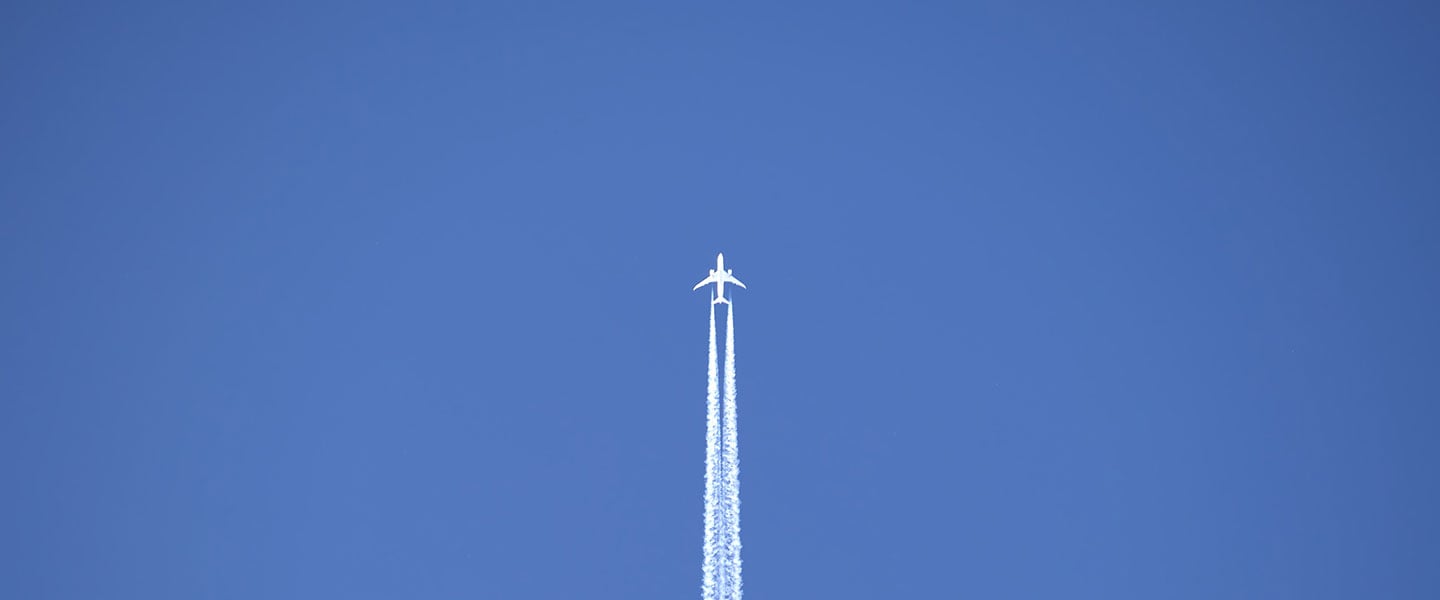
710	568
721	566
731	456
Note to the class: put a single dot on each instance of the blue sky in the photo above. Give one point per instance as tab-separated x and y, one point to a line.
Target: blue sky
1111	300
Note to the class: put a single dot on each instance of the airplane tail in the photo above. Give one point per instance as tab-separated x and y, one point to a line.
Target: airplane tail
720	300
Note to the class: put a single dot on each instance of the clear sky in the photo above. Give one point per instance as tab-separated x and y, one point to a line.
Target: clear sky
372	301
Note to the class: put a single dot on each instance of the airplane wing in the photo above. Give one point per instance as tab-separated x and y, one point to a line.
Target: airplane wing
735	281
704	281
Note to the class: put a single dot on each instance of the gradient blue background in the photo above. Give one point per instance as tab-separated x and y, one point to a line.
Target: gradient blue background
1114	300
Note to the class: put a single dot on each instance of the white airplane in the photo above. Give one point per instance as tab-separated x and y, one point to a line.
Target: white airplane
719	276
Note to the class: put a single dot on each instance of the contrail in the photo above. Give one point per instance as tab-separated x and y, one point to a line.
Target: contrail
731	500
710	568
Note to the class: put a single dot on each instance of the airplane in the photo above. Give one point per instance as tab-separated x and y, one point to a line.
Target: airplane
719	276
